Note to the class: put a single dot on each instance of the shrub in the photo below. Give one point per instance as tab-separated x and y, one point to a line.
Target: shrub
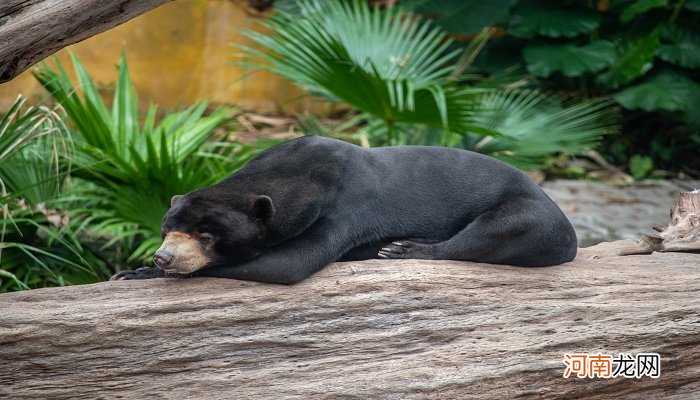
37	247
125	168
401	73
644	54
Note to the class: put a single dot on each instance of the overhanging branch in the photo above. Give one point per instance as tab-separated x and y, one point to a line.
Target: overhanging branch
31	30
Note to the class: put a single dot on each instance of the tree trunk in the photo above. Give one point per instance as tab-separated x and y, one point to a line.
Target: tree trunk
375	329
31	30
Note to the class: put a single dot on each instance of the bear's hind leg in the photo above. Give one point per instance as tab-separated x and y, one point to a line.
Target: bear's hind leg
517	233
422	249
474	243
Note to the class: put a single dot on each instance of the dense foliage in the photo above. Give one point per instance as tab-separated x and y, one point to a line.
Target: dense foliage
407	79
644	54
36	248
83	193
126	170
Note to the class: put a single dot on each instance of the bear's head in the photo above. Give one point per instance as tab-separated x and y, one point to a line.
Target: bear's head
203	229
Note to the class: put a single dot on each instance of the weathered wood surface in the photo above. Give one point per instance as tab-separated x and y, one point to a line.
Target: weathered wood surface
376	329
681	234
31	30
683	231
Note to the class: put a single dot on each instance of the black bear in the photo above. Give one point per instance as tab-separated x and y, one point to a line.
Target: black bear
303	204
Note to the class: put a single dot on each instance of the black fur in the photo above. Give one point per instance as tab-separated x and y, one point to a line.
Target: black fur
306	203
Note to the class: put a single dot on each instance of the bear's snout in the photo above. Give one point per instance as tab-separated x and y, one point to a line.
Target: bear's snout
162	258
181	253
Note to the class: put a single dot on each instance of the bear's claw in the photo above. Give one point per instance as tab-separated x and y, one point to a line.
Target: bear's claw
407	249
141	273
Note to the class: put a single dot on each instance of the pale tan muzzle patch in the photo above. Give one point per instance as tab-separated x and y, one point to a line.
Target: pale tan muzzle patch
189	255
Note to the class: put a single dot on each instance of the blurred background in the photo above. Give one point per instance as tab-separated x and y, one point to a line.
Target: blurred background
178	54
605	92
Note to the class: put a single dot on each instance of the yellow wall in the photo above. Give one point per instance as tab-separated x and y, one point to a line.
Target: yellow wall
177	54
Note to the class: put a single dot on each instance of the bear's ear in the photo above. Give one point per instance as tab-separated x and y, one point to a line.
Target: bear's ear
263	208
175	199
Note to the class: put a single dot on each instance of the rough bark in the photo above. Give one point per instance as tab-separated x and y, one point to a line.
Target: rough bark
31	30
375	329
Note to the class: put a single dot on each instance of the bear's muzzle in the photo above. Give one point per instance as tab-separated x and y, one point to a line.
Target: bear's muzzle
181	253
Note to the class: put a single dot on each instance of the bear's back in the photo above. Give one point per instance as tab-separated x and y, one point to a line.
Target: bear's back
305	149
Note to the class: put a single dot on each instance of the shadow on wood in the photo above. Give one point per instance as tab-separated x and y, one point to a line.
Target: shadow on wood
372	329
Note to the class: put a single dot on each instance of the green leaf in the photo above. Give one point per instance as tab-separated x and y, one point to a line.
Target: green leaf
31	143
683	49
639	7
125	114
692	111
394	66
664	91
461	16
35	147
536	17
13	125
545	59
534	127
693	5
634	58
400	77
641	166
127	171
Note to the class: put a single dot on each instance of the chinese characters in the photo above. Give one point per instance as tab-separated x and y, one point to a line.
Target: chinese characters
600	365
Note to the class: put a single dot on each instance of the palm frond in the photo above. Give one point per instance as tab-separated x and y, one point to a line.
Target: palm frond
33	251
392	65
410	88
532	127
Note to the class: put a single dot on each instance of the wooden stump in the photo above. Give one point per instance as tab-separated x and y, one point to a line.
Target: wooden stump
682	234
683	231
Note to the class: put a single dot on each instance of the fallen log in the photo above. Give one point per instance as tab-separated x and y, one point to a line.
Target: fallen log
31	30
372	329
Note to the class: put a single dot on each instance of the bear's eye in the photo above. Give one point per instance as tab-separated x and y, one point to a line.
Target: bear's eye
206	237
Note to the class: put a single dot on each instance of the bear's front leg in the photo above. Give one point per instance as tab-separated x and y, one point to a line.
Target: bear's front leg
141	273
291	261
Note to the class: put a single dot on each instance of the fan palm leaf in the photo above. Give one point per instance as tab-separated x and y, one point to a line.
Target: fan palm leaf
533	126
394	67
